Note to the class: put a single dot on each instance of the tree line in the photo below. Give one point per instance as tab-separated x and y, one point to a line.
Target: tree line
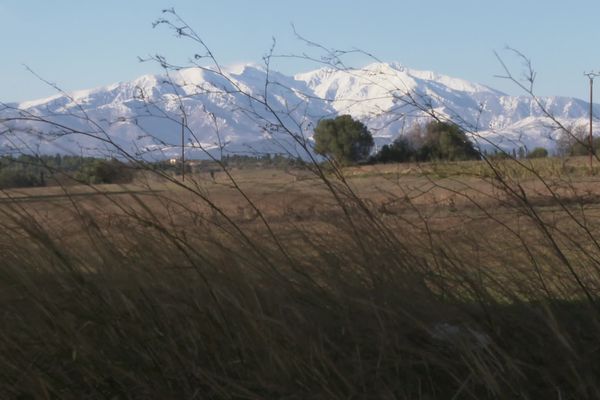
43	170
342	139
348	141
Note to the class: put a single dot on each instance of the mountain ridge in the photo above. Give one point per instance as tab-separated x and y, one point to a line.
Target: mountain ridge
234	111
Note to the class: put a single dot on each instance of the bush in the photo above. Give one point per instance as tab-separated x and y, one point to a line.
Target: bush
582	148
575	142
10	178
20	172
41	170
538	152
105	171
444	141
434	141
400	150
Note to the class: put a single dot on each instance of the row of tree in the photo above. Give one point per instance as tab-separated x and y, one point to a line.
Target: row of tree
349	141
43	170
343	139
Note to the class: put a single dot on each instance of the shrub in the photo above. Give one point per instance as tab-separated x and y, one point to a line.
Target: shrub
105	171
444	141
575	142
400	150
434	141
538	152
11	178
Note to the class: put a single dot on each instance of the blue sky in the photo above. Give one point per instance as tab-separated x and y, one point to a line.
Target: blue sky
84	44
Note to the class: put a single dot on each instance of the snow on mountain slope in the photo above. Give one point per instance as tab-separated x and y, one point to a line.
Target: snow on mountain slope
384	96
237	112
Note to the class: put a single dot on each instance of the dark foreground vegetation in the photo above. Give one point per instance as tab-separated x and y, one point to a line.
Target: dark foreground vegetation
484	290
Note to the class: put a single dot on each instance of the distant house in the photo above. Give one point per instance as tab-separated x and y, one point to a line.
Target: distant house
173	161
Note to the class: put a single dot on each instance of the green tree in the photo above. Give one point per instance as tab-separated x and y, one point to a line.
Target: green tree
538	152
444	141
400	150
343	139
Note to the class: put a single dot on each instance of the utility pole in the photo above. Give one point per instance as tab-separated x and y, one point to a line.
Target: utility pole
591	75
182	149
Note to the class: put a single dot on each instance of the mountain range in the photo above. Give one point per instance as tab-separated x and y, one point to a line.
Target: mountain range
249	109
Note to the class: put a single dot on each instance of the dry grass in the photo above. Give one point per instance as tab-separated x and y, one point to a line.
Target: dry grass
379	283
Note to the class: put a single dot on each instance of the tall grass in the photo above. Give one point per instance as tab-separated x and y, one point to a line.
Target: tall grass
153	297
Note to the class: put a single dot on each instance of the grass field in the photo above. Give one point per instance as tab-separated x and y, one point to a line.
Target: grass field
434	281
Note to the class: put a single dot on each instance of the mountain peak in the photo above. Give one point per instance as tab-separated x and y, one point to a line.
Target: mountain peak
219	112
242	68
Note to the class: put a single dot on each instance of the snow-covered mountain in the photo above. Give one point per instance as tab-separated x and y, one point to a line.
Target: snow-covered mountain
247	109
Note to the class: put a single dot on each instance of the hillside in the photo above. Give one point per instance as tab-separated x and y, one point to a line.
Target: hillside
236	111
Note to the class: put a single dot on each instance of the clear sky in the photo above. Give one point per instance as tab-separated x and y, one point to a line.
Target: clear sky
81	44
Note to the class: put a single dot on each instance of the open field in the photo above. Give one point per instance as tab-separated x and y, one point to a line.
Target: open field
462	280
